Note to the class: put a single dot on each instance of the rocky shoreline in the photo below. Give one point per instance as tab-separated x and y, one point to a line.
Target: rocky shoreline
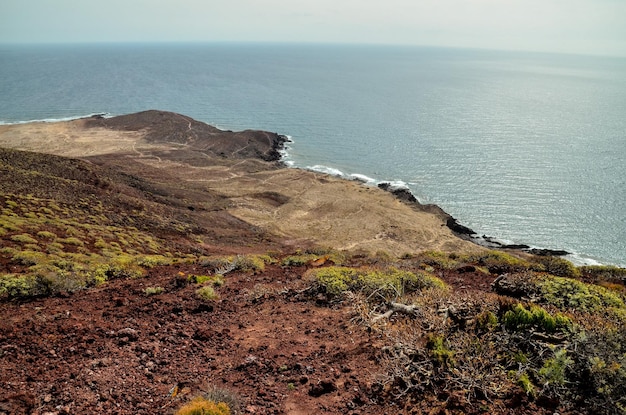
464	232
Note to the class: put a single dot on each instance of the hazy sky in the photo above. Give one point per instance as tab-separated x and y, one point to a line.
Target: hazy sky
578	26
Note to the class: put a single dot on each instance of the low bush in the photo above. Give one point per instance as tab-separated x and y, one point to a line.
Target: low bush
438	259
151	261
604	273
498	262
216	280
251	263
571	293
15	286
520	318
153	291
441	354
46	235
203	406
486	321
298	260
71	241
557	266
24	238
388	283
207	293
553	371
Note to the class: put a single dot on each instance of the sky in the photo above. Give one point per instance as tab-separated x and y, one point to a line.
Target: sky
595	27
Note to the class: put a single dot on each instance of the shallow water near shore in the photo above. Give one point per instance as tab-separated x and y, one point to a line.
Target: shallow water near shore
528	148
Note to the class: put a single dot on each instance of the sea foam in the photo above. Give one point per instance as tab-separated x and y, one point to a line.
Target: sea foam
62	119
362	178
326	170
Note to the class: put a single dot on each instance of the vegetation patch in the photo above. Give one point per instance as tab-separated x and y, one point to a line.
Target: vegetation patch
387	283
203	406
153	291
206	293
520	318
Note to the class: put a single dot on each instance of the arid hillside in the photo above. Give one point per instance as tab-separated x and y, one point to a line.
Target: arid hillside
152	264
237	174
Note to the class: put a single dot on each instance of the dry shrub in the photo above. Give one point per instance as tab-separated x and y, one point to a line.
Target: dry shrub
203	406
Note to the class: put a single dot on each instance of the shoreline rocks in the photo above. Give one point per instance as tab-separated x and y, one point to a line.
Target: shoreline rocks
404	194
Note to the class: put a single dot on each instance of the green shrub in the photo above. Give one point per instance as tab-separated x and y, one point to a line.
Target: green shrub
29	258
388	283
523	381
439	351
46	235
124	266
553	370
519	318
604	272
153	291
216	280
71	241
245	263
207	293
100	243
486	321
151	261
54	248
438	259
24	238
335	280
601	359
15	286
571	293
557	266
298	260
498	262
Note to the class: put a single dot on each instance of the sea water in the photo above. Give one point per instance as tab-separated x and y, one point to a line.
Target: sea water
529	148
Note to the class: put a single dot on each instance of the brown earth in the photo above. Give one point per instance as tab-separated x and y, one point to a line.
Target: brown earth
283	350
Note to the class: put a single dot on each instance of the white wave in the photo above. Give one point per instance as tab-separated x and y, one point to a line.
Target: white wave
362	178
51	120
580	260
396	184
326	170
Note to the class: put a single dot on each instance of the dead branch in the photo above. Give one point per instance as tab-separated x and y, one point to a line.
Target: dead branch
409	310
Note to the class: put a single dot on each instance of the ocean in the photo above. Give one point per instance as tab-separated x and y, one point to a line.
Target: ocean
527	148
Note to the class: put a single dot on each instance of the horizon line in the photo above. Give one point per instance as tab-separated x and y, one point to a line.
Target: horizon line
296	43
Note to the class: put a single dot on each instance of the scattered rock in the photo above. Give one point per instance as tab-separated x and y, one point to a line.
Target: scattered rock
129	333
322	388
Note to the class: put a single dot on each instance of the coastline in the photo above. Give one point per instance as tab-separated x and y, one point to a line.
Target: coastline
293	205
280	153
402	191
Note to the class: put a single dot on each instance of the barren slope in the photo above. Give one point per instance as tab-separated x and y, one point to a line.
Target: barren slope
294	205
